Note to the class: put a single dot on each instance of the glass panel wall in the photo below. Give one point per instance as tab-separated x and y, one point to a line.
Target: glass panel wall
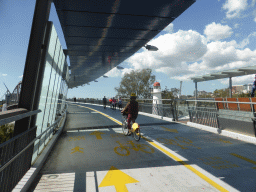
51	90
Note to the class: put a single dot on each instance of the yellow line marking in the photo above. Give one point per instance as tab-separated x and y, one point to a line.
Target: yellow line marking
211	182
244	158
208	180
104	115
170	130
225	141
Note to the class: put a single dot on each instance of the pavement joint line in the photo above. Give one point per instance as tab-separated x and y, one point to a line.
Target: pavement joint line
158	146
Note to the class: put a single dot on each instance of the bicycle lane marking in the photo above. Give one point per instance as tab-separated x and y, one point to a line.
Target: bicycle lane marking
174	157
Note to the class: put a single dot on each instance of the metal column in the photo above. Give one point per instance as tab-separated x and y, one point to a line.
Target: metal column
230	87
30	90
33	75
196	90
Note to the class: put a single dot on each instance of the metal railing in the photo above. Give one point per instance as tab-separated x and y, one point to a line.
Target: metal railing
16	153
204	116
175	109
206	112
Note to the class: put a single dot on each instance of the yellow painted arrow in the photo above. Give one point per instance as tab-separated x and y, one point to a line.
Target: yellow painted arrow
97	134
118	179
170	130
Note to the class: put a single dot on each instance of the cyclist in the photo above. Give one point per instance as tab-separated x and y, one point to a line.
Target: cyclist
131	109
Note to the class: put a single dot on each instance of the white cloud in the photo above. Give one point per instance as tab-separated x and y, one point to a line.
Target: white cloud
234	8
217	32
117	72
253	3
236	25
21	76
169	28
254	19
183	46
246	41
4	75
219	53
186	54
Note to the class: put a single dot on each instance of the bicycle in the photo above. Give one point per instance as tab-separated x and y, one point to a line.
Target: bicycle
135	128
123	150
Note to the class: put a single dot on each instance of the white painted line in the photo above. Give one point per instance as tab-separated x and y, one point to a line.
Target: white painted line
90	181
72	131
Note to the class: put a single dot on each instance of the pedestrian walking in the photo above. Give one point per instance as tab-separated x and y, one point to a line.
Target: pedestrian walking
110	102
120	103
104	102
114	103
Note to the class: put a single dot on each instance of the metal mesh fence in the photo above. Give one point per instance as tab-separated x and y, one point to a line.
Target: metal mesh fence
204	116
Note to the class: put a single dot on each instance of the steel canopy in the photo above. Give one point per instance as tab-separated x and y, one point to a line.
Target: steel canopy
102	34
226	74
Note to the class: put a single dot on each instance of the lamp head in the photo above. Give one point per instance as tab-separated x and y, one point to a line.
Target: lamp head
151	48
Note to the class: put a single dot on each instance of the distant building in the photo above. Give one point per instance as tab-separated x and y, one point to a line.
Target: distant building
247	88
201	93
237	89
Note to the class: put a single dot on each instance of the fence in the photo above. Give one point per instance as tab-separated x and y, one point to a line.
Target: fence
172	108
16	153
232	114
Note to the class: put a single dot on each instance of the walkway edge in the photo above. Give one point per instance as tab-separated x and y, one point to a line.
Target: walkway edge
26	181
223	132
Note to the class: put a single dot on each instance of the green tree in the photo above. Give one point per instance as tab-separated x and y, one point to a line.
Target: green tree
167	94
138	82
6	132
244	95
221	93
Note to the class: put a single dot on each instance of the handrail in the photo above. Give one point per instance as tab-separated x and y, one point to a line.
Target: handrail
31	143
18	117
223	101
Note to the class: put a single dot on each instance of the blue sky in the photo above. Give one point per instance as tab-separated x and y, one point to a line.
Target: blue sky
208	37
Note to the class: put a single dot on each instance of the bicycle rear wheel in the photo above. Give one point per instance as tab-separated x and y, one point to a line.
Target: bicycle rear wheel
137	135
125	127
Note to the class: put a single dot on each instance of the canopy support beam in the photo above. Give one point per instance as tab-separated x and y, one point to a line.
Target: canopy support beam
230	87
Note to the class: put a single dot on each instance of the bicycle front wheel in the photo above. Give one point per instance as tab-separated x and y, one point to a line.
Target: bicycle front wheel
137	135
125	127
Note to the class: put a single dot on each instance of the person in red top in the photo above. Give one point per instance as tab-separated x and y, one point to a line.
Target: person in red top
132	108
110	101
114	103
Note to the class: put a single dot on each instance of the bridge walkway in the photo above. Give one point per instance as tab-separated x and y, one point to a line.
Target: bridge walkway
171	157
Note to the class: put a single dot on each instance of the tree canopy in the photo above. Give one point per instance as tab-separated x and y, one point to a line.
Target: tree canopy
138	82
167	94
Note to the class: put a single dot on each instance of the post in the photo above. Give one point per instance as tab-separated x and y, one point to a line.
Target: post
196	101
196	90
230	87
31	88
32	77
